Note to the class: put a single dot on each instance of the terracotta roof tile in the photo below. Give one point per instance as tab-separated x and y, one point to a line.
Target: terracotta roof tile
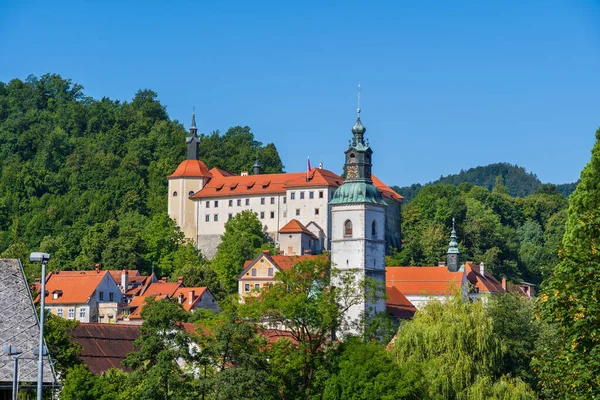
423	280
191	169
162	288
386	191
219	173
287	262
486	283
398	305
295	226
185	292
75	288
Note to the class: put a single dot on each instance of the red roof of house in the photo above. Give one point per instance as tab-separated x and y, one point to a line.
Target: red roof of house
219	173
423	280
191	169
138	303
75	288
398	305
162	288
104	345
295	226
386	191
185	292
486	283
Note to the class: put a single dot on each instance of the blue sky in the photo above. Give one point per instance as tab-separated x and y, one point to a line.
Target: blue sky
445	85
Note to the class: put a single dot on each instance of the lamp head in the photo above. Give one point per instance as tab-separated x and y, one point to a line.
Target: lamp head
39	257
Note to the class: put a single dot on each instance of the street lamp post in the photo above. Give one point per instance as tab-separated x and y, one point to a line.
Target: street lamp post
41	258
15	353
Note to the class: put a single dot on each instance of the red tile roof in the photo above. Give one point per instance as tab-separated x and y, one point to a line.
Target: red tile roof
105	345
138	303
75	288
191	169
185	292
398	305
295	226
386	191
423	280
219	173
162	288
287	262
486	283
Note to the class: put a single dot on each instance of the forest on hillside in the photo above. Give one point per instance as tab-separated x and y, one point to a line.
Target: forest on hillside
85	179
517	180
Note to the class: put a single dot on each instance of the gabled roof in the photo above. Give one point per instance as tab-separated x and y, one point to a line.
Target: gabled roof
424	280
486	283
105	345
280	262
220	173
76	288
185	292
138	303
295	226
19	325
386	191
398	305
191	169
162	288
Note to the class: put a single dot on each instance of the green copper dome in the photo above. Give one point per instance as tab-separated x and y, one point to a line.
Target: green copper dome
357	192
358	128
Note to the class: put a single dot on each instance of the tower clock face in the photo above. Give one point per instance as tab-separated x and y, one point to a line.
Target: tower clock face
352	171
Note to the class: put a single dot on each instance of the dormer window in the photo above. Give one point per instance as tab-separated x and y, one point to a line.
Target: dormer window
348	228
56	294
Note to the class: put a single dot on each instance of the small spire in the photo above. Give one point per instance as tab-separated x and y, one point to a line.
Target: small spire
358	109
453	245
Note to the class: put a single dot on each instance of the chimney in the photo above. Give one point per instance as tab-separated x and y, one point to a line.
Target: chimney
124	280
266	251
504	285
482	269
191	297
163	279
244	173
180	298
441	263
308	251
97	268
256	168
320	165
180	279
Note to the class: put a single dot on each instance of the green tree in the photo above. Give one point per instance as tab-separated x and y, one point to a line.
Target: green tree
569	300
243	235
63	350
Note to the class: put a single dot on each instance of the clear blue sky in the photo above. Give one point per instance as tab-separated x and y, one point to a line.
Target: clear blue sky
445	85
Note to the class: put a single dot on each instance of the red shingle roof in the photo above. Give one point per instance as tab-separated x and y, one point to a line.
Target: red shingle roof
295	226
185	292
486	283
423	280
75	288
191	169
162	288
398	305
219	173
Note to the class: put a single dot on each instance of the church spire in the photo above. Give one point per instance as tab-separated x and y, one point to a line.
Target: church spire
358	130
453	255
192	140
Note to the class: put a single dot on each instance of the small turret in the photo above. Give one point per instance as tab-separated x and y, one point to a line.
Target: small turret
192	140
453	256
256	168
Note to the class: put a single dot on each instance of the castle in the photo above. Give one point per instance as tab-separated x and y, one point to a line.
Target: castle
296	209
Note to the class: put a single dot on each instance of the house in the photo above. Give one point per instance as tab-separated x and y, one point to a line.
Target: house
482	282
201	201
297	239
19	327
87	296
261	271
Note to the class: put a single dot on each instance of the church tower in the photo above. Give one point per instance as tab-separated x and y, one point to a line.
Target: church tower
189	177
453	256
358	229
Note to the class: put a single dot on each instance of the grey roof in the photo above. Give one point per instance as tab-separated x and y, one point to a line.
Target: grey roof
19	325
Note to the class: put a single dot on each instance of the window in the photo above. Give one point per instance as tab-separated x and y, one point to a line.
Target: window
301	195
229	216
247	287
215	217
272	214
247	202
348	228
230	203
272	200
374	229
59	312
292	195
101	295
284	200
71	313
239	202
320	194
316	211
262	200
190	193
111	296
257	286
297	211
207	218
82	312
216	203
253	271
174	194
311	195
285	214
208	204
270	272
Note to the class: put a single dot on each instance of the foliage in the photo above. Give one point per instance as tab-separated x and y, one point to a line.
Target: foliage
459	353
516	181
243	235
63	350
569	301
84	179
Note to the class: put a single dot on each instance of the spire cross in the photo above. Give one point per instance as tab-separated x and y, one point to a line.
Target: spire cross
358	109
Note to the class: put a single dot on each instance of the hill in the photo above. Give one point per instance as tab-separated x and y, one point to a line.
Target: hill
518	181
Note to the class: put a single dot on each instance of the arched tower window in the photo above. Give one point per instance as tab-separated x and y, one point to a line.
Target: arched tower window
374	229
348	228
191	193
174	194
